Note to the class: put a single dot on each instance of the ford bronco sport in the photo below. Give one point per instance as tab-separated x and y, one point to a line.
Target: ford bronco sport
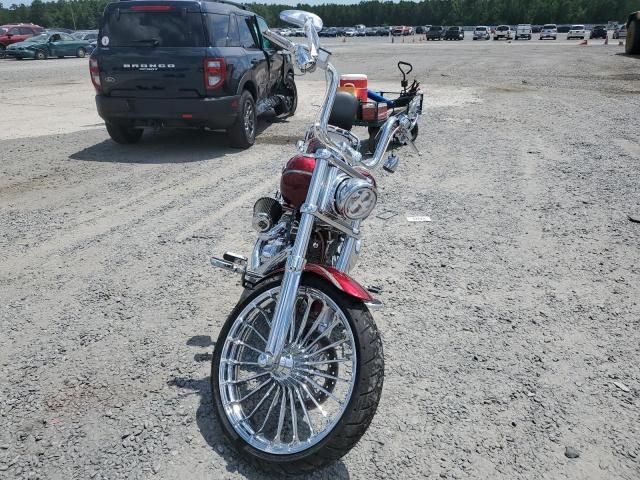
187	63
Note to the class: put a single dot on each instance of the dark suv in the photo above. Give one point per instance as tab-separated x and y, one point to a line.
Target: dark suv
15	33
436	32
454	33
187	63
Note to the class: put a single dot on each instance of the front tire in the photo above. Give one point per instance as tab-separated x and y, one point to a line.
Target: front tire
242	133
290	92
81	52
318	415
40	55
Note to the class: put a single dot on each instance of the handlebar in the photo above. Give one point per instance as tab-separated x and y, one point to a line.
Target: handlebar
307	58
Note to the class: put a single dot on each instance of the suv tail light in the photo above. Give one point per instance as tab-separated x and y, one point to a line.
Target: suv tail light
94	70
215	73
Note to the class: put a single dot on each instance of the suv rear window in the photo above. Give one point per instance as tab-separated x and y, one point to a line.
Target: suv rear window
166	28
218	27
549	27
502	28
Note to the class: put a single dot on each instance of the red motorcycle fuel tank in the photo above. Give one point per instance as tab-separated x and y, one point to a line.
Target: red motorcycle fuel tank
296	178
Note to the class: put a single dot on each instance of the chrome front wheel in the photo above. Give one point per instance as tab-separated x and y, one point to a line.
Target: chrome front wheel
315	404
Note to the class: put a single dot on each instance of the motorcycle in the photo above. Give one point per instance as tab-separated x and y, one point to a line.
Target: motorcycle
298	369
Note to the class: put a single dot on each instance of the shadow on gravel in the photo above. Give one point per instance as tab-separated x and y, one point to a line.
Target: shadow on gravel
212	433
166	146
637	57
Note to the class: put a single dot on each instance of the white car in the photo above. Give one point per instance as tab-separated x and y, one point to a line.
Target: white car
523	31
482	33
550	30
503	31
577	31
350	32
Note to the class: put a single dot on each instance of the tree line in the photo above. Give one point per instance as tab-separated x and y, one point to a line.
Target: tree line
85	14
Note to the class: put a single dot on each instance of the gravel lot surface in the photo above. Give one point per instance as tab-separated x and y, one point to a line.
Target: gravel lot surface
512	320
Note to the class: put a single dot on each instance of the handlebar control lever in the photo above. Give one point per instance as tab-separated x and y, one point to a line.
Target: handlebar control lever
391	163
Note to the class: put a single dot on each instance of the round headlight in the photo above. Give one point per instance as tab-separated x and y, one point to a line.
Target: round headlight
356	198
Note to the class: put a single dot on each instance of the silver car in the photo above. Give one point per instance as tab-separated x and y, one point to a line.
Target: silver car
550	30
482	33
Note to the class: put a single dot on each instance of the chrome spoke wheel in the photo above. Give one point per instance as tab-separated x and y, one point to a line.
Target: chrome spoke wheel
292	406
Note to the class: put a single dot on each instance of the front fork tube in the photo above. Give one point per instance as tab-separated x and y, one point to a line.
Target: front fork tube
285	304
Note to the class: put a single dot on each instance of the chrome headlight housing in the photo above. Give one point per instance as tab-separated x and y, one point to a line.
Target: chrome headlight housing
355	198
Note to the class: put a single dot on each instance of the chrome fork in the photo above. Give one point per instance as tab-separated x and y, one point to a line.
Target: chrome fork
283	314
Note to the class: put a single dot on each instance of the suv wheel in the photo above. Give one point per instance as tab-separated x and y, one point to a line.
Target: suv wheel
123	135
243	132
632	45
290	102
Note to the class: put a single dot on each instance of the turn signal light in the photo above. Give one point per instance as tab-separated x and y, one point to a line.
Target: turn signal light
94	70
215	72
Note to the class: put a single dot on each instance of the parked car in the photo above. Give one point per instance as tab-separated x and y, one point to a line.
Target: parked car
371	32
349	32
620	32
329	32
383	31
205	64
536	28
481	33
88	35
550	30
436	32
564	28
599	31
14	33
454	33
523	30
400	30
577	31
361	30
503	31
45	45
422	29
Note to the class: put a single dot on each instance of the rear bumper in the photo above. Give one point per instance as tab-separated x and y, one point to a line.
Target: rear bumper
215	113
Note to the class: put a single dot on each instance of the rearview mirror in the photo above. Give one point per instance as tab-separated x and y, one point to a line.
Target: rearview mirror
298	18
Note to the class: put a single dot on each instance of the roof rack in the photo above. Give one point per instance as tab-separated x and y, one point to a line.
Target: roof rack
242	6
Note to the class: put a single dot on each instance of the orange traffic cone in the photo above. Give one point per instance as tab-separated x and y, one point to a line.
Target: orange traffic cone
606	40
584	42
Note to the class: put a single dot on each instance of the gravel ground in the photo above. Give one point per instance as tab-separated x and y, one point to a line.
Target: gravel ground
511	326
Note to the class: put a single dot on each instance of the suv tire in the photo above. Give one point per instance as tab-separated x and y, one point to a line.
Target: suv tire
632	45
124	135
243	132
288	89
